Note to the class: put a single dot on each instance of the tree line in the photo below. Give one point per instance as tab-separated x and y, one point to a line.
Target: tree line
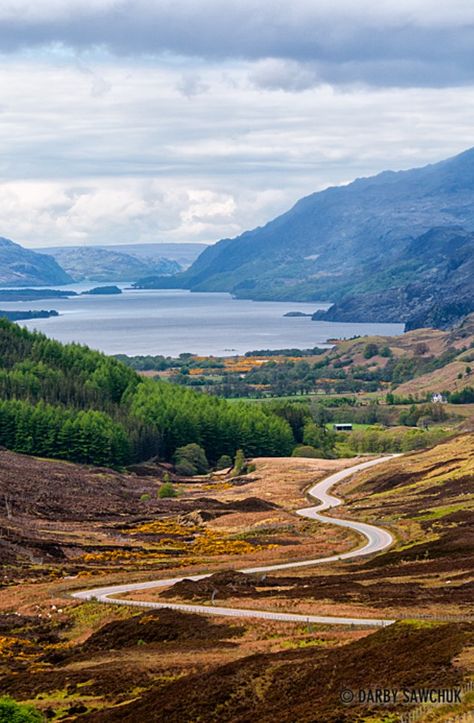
218	426
80	436
67	401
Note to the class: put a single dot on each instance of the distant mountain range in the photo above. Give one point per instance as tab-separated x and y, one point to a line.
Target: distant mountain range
184	254
90	263
21	267
127	262
397	247
394	247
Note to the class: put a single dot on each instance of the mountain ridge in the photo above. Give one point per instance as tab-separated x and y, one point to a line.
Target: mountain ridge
183	253
337	242
92	263
23	267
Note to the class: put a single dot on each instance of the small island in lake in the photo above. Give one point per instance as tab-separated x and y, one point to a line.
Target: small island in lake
296	313
103	291
33	294
23	315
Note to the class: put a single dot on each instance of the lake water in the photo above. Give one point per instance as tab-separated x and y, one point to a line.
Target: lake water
173	321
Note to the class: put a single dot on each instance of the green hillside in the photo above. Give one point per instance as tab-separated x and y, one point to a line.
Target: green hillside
67	401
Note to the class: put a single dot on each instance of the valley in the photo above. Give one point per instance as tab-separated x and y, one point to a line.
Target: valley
84	660
439	361
179	486
236	362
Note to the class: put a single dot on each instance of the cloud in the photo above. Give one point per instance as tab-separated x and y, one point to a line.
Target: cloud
391	42
99	86
40	213
277	74
142	164
207	205
103	149
191	84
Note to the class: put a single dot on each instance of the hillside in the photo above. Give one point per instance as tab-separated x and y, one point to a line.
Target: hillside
44	504
89	263
149	254
22	267
427	497
419	362
409	232
433	286
66	401
72	527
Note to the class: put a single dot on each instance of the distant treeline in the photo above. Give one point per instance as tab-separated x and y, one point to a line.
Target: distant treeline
314	351
159	363
379	441
330	374
465	396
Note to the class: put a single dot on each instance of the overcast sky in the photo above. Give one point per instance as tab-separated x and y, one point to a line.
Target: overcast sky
193	120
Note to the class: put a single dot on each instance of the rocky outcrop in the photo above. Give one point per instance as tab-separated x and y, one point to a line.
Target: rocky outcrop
439	291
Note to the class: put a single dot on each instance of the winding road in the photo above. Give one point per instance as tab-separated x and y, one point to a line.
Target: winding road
377	540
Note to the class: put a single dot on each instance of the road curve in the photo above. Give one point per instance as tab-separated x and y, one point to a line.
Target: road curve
377	540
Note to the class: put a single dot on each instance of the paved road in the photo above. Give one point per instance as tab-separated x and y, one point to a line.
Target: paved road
377	540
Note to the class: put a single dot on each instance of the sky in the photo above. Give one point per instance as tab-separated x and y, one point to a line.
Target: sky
128	121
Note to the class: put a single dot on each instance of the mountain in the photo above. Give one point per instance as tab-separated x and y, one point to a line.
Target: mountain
184	253
432	287
151	254
22	267
92	263
341	243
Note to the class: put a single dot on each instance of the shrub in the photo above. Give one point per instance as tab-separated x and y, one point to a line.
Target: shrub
306	450
194	455
370	350
185	468
167	490
319	438
13	712
224	462
239	463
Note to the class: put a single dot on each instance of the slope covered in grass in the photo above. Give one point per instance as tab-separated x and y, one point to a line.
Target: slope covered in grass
428	497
